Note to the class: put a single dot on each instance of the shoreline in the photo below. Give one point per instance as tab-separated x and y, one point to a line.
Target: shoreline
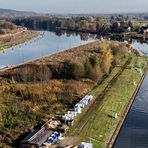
109	135
18	38
125	113
46	56
122	35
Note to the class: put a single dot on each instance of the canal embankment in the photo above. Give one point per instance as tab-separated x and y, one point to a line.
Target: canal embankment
20	36
108	113
127	109
134	129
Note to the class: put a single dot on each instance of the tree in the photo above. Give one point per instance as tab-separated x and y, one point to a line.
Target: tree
115	27
130	24
2	31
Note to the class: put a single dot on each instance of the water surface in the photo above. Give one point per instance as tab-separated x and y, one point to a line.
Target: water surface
134	133
48	44
140	46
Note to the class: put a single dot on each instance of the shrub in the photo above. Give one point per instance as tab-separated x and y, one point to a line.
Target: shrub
78	70
7	25
69	70
93	61
29	73
120	52
93	71
2	31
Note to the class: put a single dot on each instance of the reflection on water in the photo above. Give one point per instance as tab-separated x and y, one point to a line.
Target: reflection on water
138	44
49	43
134	133
83	36
141	46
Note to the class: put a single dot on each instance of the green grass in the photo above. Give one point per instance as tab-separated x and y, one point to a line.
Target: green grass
95	91
114	102
101	124
99	88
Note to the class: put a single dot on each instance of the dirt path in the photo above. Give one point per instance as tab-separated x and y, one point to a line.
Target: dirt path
83	121
114	136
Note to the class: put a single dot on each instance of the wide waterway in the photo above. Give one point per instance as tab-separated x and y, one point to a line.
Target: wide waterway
46	44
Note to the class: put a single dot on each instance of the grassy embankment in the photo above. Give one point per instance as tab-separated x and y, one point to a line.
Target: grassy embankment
101	123
42	89
16	37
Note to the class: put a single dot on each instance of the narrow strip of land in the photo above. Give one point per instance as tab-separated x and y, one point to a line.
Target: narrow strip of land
83	121
20	35
98	122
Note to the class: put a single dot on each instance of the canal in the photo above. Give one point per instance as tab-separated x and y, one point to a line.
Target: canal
134	132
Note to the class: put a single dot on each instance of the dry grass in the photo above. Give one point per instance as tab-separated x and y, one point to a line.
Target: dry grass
81	53
15	37
33	92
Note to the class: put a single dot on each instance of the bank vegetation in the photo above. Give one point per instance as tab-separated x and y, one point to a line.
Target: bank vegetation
34	92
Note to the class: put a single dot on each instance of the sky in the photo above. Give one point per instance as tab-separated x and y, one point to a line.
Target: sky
77	6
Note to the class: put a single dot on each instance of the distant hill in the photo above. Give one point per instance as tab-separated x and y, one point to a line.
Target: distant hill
14	13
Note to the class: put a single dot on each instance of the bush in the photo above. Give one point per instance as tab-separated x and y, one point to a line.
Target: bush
29	73
120	52
2	31
78	70
93	61
71	70
7	25
93	71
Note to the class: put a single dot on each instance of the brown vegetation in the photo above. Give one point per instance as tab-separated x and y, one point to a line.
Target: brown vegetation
11	35
46	87
6	27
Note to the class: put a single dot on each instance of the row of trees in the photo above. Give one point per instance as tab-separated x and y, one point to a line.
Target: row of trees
4	26
98	25
93	67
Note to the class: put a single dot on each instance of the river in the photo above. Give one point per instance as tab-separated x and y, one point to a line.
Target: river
46	44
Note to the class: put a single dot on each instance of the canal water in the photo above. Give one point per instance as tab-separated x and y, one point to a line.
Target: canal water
134	132
46	44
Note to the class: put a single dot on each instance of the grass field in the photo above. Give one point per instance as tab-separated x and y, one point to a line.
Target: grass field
102	121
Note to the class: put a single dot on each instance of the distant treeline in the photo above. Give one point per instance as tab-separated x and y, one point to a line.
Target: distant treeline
6	26
90	24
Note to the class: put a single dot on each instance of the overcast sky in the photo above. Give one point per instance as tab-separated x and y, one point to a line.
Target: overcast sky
76	6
